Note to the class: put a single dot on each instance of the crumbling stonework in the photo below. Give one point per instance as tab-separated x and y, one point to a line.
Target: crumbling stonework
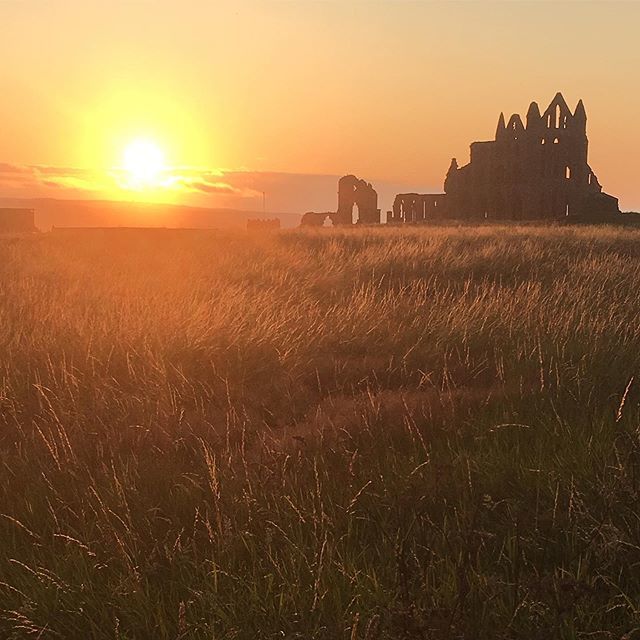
357	204
537	170
413	207
314	219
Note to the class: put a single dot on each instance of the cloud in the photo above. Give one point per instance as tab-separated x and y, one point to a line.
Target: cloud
191	185
208	182
61	171
69	182
239	189
6	168
213	187
29	180
203	181
198	181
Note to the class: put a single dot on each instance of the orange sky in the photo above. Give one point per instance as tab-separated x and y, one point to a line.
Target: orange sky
387	90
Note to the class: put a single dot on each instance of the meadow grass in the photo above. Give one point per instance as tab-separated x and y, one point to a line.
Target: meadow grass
360	434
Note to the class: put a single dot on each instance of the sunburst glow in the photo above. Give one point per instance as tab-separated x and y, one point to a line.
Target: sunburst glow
144	164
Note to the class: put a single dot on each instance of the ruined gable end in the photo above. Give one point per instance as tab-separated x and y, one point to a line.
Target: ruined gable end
537	171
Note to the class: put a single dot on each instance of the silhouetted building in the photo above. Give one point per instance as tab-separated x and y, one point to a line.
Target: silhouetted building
315	219
358	194
17	220
533	171
357	204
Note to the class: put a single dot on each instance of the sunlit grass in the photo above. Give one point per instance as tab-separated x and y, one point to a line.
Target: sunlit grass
361	434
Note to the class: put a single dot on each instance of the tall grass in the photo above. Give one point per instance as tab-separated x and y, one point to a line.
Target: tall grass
360	434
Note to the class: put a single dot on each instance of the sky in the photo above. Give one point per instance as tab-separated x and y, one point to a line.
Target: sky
282	97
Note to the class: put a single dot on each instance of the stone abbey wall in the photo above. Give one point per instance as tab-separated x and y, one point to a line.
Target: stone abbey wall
533	170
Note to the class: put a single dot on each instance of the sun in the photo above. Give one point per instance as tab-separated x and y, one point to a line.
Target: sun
144	164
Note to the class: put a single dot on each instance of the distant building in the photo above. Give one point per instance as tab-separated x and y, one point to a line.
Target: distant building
533	171
17	220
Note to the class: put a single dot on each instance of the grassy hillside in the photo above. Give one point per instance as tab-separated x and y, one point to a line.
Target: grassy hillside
364	434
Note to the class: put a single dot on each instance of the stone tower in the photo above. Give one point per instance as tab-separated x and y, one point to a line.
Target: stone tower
537	170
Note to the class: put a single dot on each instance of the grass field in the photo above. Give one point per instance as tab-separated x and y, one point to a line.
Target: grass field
369	434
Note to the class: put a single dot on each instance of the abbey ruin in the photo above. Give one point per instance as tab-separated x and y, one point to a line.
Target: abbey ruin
532	171
357	204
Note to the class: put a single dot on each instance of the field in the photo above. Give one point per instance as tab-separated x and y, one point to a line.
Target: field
364	434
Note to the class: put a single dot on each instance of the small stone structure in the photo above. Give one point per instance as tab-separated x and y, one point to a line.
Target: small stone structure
537	170
413	207
314	219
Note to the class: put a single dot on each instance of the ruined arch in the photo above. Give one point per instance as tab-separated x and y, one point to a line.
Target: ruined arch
356	199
